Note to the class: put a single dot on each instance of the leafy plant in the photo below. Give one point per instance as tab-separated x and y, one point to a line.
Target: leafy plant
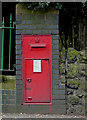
42	5
3	78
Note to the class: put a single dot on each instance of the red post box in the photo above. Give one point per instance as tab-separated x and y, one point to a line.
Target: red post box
37	69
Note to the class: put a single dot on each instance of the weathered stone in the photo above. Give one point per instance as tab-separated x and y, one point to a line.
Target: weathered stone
76	80
69	91
62	79
74	100
70	109
75	110
62	68
80	93
83	84
74	84
80	110
83	101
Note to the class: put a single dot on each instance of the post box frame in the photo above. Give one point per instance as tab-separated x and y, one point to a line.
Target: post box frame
50	77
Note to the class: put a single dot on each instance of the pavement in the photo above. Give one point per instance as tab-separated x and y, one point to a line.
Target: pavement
23	115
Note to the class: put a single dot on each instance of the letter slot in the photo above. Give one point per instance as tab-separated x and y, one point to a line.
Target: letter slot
37	45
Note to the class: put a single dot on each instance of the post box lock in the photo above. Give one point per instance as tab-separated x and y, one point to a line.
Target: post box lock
29	80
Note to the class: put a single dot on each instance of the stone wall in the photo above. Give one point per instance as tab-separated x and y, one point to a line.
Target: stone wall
75	80
8	101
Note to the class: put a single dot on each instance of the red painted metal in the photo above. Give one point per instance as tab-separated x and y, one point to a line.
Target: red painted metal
37	85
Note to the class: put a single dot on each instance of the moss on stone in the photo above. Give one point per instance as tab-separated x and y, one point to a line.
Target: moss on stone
21	8
83	73
81	70
81	67
62	56
72	70
63	80
74	84
82	56
62	68
72	55
70	91
74	100
80	93
83	101
83	85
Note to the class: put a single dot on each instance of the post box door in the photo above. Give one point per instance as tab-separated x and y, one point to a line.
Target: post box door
37	81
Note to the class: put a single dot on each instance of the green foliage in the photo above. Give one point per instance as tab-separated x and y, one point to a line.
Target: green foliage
62	56
83	73
73	83
72	55
43	5
72	70
7	83
74	100
83	85
60	44
82	67
85	8
74	13
3	78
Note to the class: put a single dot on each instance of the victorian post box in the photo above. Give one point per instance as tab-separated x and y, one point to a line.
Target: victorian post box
37	69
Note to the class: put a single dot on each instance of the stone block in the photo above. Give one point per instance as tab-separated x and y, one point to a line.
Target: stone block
55	37
54	66
18	61
18	17
18	22
18	72
55	82
55	57
18	42
55	52
55	62
58	97
55	47
55	77
60	92
18	37
55	72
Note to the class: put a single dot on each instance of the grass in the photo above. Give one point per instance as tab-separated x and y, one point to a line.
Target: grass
8	85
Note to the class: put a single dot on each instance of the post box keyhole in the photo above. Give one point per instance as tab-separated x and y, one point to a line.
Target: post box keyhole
29	80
